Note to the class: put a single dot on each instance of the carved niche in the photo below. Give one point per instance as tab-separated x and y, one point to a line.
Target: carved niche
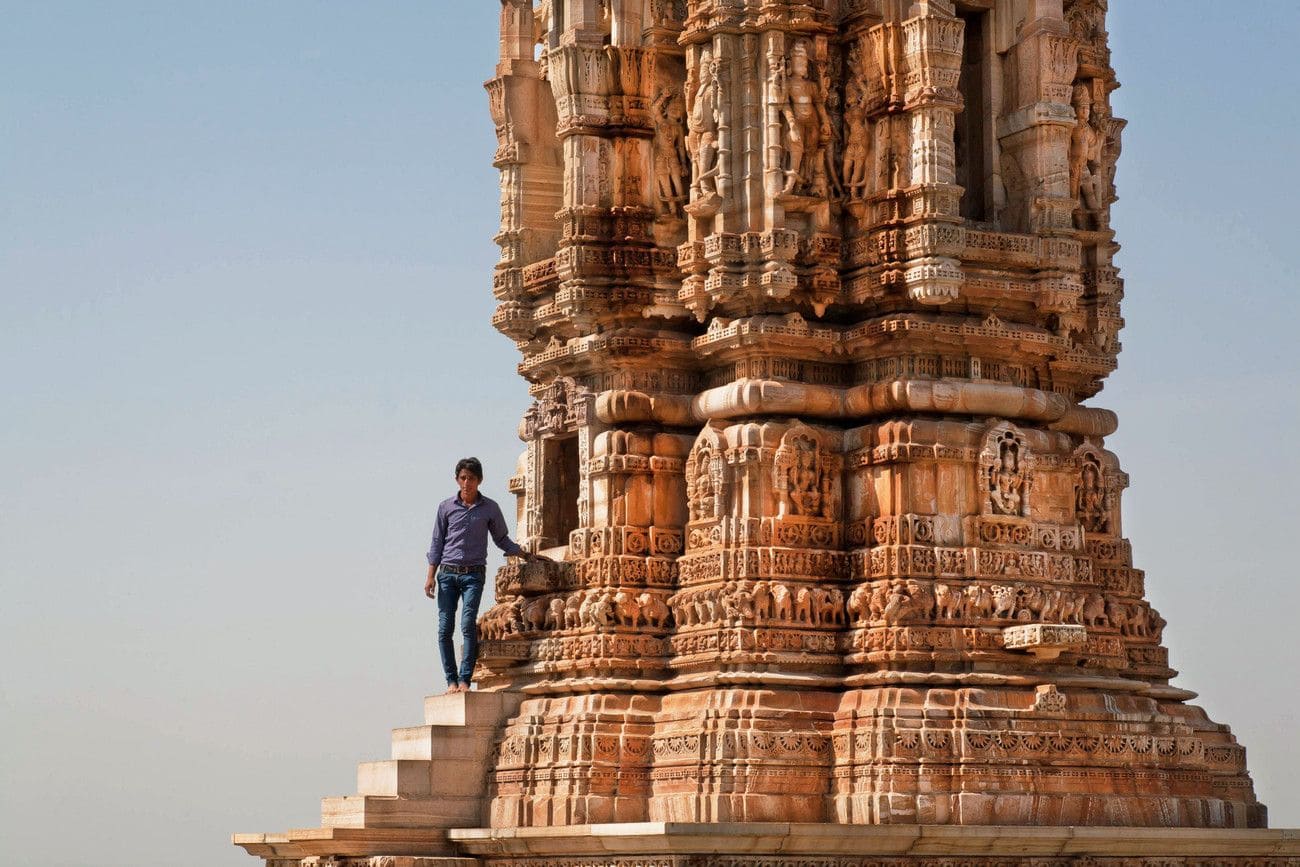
1096	490
1005	473
557	430
803	477
706	492
1089	184
671	159
704	113
800	95
561	408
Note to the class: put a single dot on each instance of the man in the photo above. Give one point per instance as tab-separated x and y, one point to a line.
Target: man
458	565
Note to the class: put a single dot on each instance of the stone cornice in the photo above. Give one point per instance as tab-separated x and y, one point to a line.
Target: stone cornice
644	838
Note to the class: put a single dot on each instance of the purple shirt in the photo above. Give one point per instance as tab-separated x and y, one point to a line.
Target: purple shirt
460	532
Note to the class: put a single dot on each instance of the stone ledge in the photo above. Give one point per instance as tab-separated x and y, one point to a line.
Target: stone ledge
308	842
643	838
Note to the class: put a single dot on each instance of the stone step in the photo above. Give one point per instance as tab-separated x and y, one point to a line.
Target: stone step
474	708
374	811
421	777
436	742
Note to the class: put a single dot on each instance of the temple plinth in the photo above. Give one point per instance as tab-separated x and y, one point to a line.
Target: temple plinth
810	298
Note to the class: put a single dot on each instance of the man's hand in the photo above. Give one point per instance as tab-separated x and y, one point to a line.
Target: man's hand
431	583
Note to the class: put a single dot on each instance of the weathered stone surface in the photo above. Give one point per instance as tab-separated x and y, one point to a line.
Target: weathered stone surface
809	296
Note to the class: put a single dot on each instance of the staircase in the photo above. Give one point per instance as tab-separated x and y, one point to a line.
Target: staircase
435	780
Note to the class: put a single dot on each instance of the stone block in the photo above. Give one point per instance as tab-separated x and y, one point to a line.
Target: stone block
475	708
435	742
392	778
371	811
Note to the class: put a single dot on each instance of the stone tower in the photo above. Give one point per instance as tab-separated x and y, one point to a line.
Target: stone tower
810	296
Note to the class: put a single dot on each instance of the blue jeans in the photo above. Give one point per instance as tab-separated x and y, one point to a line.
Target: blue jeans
452	588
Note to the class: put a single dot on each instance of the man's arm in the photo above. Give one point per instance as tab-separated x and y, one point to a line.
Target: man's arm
501	535
435	552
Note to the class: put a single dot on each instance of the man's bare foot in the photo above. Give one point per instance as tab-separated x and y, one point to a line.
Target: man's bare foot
452	688
464	687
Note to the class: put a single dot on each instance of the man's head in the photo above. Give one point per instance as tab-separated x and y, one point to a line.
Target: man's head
469	473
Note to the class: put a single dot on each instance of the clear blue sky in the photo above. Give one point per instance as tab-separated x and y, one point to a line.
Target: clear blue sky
245	254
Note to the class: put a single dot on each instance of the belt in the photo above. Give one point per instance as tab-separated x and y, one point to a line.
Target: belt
457	569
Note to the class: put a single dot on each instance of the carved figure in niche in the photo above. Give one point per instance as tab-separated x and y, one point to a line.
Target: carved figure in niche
701	492
702	125
801	478
856	166
807	124
670	150
1091	502
1087	174
1006	479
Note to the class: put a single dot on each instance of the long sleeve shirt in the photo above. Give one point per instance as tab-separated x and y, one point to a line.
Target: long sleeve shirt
460	532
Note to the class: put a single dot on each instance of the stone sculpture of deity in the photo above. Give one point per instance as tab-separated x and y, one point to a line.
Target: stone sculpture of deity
701	493
856	164
1007	479
1091	501
1087	175
807	124
702	139
802	482
670	155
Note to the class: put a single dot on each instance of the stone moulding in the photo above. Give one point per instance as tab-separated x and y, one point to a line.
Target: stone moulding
1010	844
755	397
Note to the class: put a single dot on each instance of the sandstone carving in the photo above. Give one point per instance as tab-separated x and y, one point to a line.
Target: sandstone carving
814	301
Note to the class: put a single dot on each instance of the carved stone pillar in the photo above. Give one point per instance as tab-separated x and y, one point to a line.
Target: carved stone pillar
933	39
528	157
1034	132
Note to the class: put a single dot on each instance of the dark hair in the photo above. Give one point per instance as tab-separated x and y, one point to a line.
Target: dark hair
471	464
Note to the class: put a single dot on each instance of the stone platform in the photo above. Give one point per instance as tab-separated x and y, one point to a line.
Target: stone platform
429	804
